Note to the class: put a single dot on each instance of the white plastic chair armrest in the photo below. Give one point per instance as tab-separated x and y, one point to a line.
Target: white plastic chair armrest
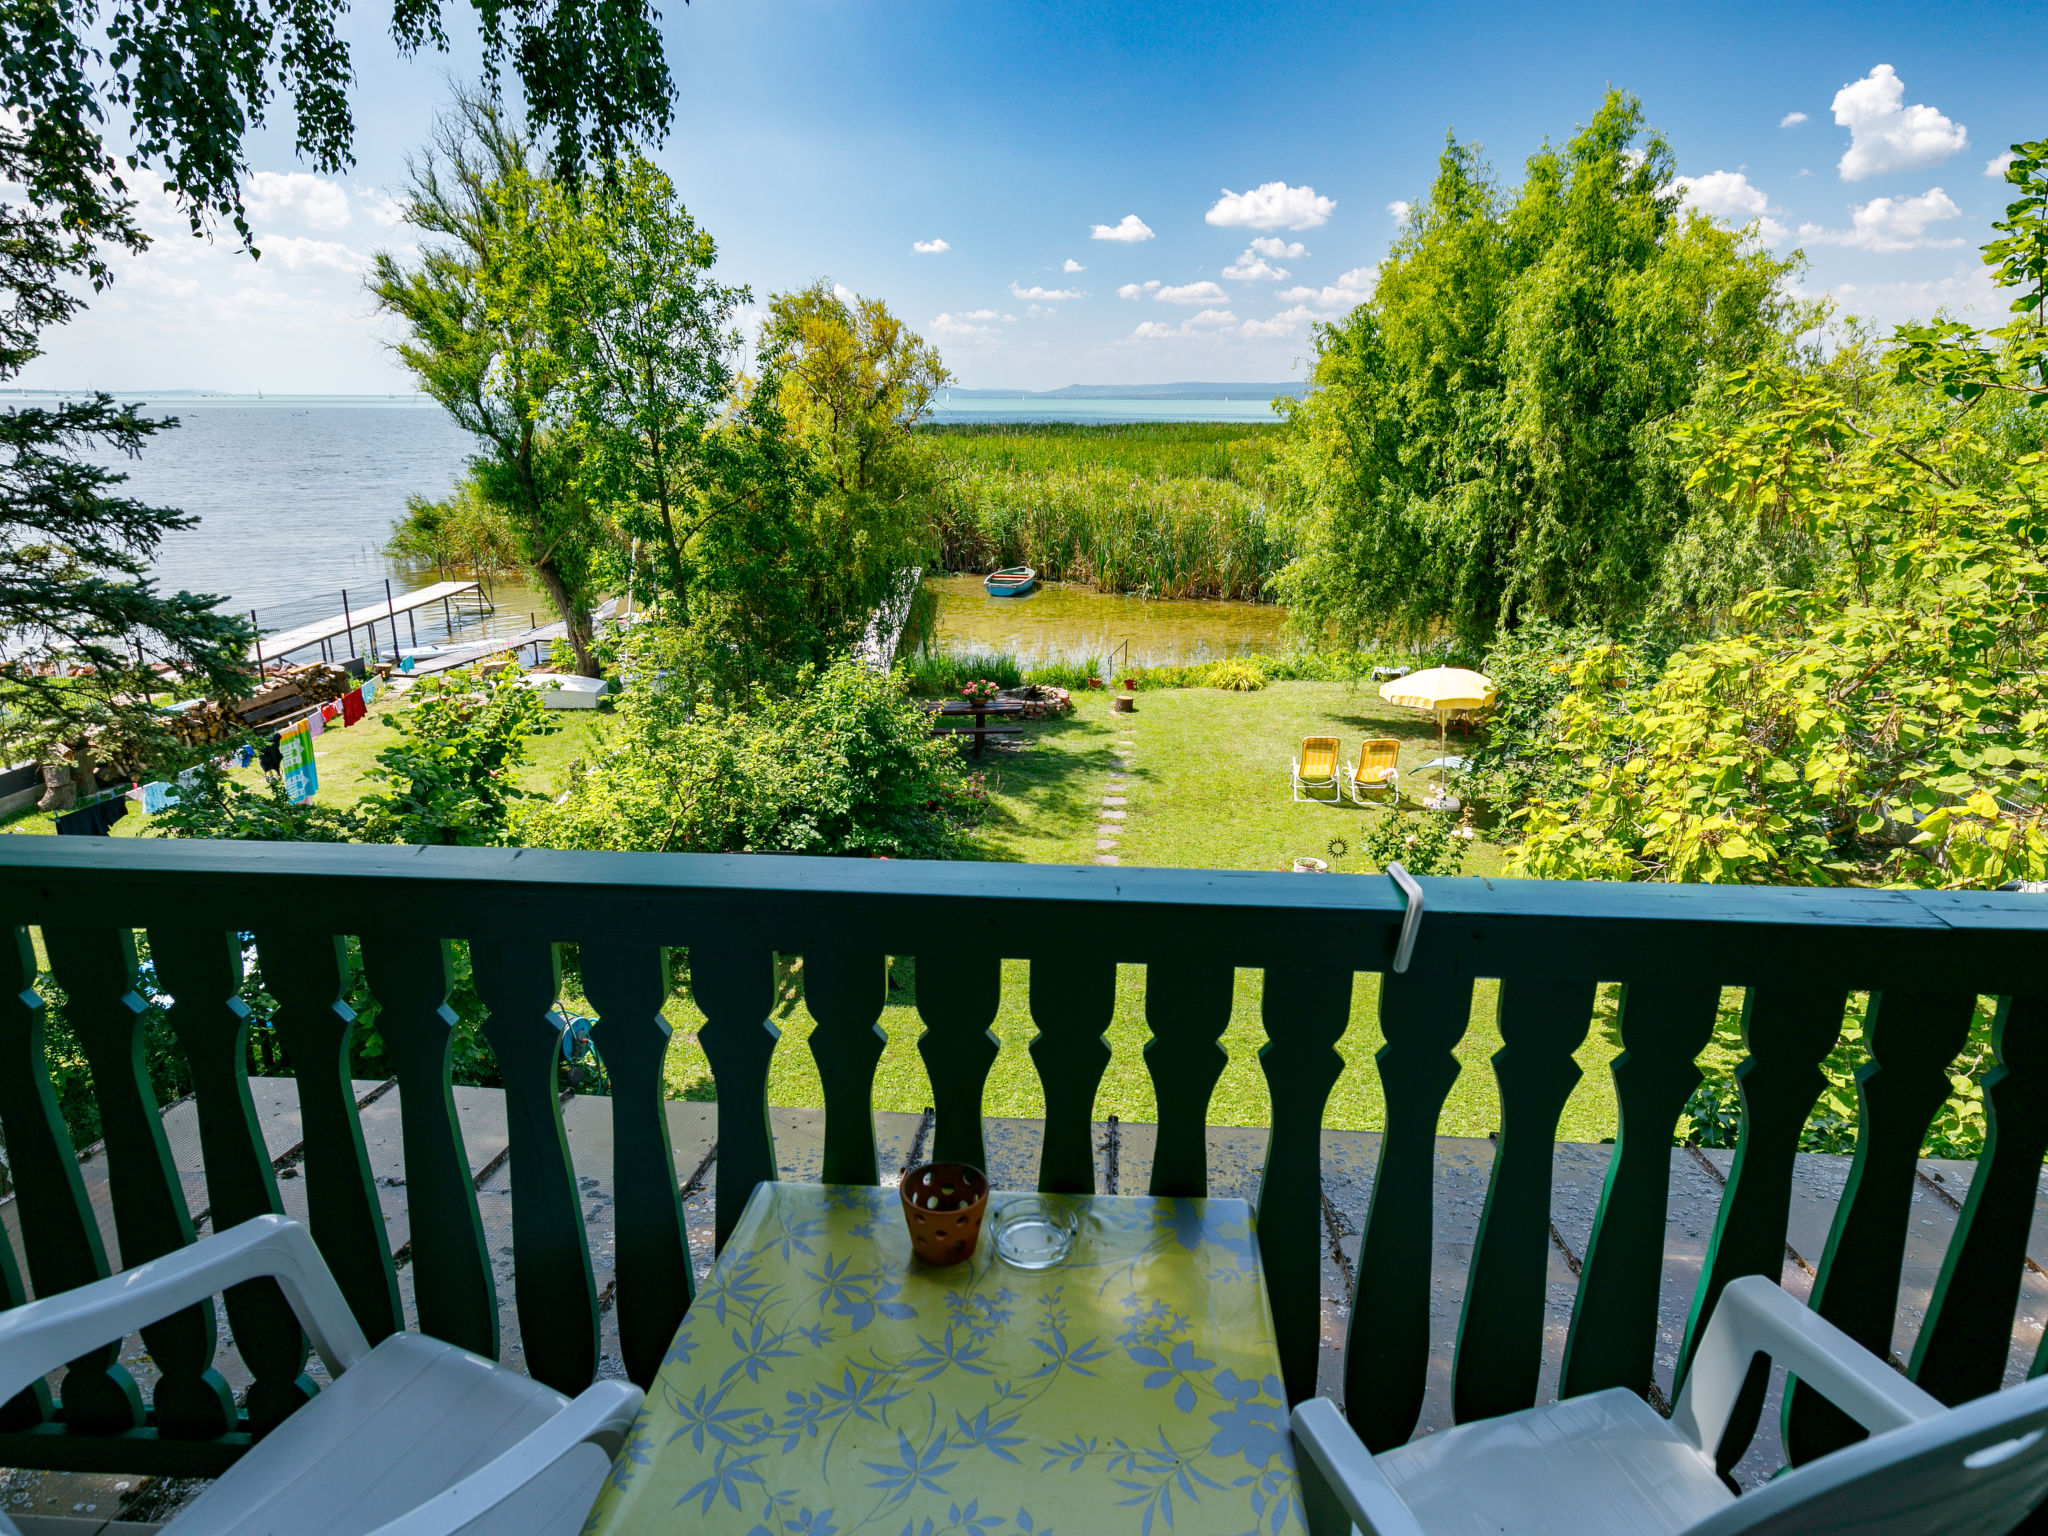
1754	1316
45	1334
1347	1466
600	1415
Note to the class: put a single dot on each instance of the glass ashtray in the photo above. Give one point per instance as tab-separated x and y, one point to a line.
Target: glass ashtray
1033	1233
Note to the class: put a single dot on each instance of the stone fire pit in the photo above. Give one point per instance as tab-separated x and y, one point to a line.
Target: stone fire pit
1040	702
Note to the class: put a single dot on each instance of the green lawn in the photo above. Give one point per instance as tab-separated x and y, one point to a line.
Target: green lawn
1208	787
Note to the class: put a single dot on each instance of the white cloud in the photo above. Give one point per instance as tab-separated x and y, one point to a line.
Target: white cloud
963	327
844	294
1128	231
1350	290
1208	323
1289	322
1251	267
1046	295
1400	209
1192	293
1272	206
1137	290
1791	119
1279	250
295	253
1073	266
385	211
1995	166
1885	135
312	200
929	247
1969	289
1728	196
1891	224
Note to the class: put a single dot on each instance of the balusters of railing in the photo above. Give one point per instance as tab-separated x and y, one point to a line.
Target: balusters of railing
1500	1333
457	1299
1613	1338
1072	1000
58	1234
735	989
1962	1348
306	973
957	997
844	992
552	1286
201	968
1423	1015
96	969
1305	1007
1788	1032
628	986
1187	1008
1911	1038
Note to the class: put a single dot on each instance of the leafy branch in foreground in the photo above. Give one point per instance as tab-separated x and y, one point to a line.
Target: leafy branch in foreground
1883	726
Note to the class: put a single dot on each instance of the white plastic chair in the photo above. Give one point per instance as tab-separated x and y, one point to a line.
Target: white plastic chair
1608	1463
414	1437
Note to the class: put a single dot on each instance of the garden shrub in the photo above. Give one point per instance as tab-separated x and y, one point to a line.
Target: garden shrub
844	764
1422	842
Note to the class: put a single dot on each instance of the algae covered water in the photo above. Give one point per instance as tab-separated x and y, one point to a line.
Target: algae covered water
1063	622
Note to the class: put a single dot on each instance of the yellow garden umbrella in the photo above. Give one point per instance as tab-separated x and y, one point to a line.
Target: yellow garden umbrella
1439	690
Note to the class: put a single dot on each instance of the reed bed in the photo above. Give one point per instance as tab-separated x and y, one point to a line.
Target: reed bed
1164	536
1213	450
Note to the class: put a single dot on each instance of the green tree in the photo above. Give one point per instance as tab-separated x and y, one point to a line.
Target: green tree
477	305
1886	723
1484	438
852	381
89	635
665	441
190	81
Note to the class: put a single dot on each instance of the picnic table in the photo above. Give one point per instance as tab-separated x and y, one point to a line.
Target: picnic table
980	709
824	1380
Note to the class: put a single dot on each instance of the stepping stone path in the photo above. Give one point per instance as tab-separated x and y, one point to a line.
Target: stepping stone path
1110	819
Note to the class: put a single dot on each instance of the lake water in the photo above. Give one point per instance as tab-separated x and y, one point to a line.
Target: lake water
296	497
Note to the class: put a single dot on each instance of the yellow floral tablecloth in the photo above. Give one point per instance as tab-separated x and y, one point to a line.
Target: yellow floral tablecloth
826	1383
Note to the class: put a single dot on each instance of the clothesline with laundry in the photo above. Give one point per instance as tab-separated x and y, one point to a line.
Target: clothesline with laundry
280	754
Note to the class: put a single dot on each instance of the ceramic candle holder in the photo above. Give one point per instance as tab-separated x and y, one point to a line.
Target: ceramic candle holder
943	1204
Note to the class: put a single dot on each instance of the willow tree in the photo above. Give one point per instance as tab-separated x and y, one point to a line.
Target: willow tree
1483	436
481	341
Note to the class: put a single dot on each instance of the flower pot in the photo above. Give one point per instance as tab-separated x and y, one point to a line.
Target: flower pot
943	1204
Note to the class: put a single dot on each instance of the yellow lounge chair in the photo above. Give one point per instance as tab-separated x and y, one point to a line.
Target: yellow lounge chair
1379	767
1318	767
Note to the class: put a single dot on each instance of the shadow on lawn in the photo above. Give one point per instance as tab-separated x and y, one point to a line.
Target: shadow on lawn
1053	785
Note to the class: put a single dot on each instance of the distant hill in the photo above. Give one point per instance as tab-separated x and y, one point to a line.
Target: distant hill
1194	391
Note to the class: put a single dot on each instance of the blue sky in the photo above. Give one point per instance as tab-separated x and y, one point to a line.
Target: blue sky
831	139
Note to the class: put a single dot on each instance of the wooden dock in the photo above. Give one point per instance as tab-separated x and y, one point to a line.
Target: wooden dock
377	610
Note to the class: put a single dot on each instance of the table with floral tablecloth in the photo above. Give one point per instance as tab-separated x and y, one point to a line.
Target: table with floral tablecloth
826	1383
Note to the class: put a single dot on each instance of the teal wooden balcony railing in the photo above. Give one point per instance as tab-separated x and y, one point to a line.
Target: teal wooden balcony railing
1926	957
